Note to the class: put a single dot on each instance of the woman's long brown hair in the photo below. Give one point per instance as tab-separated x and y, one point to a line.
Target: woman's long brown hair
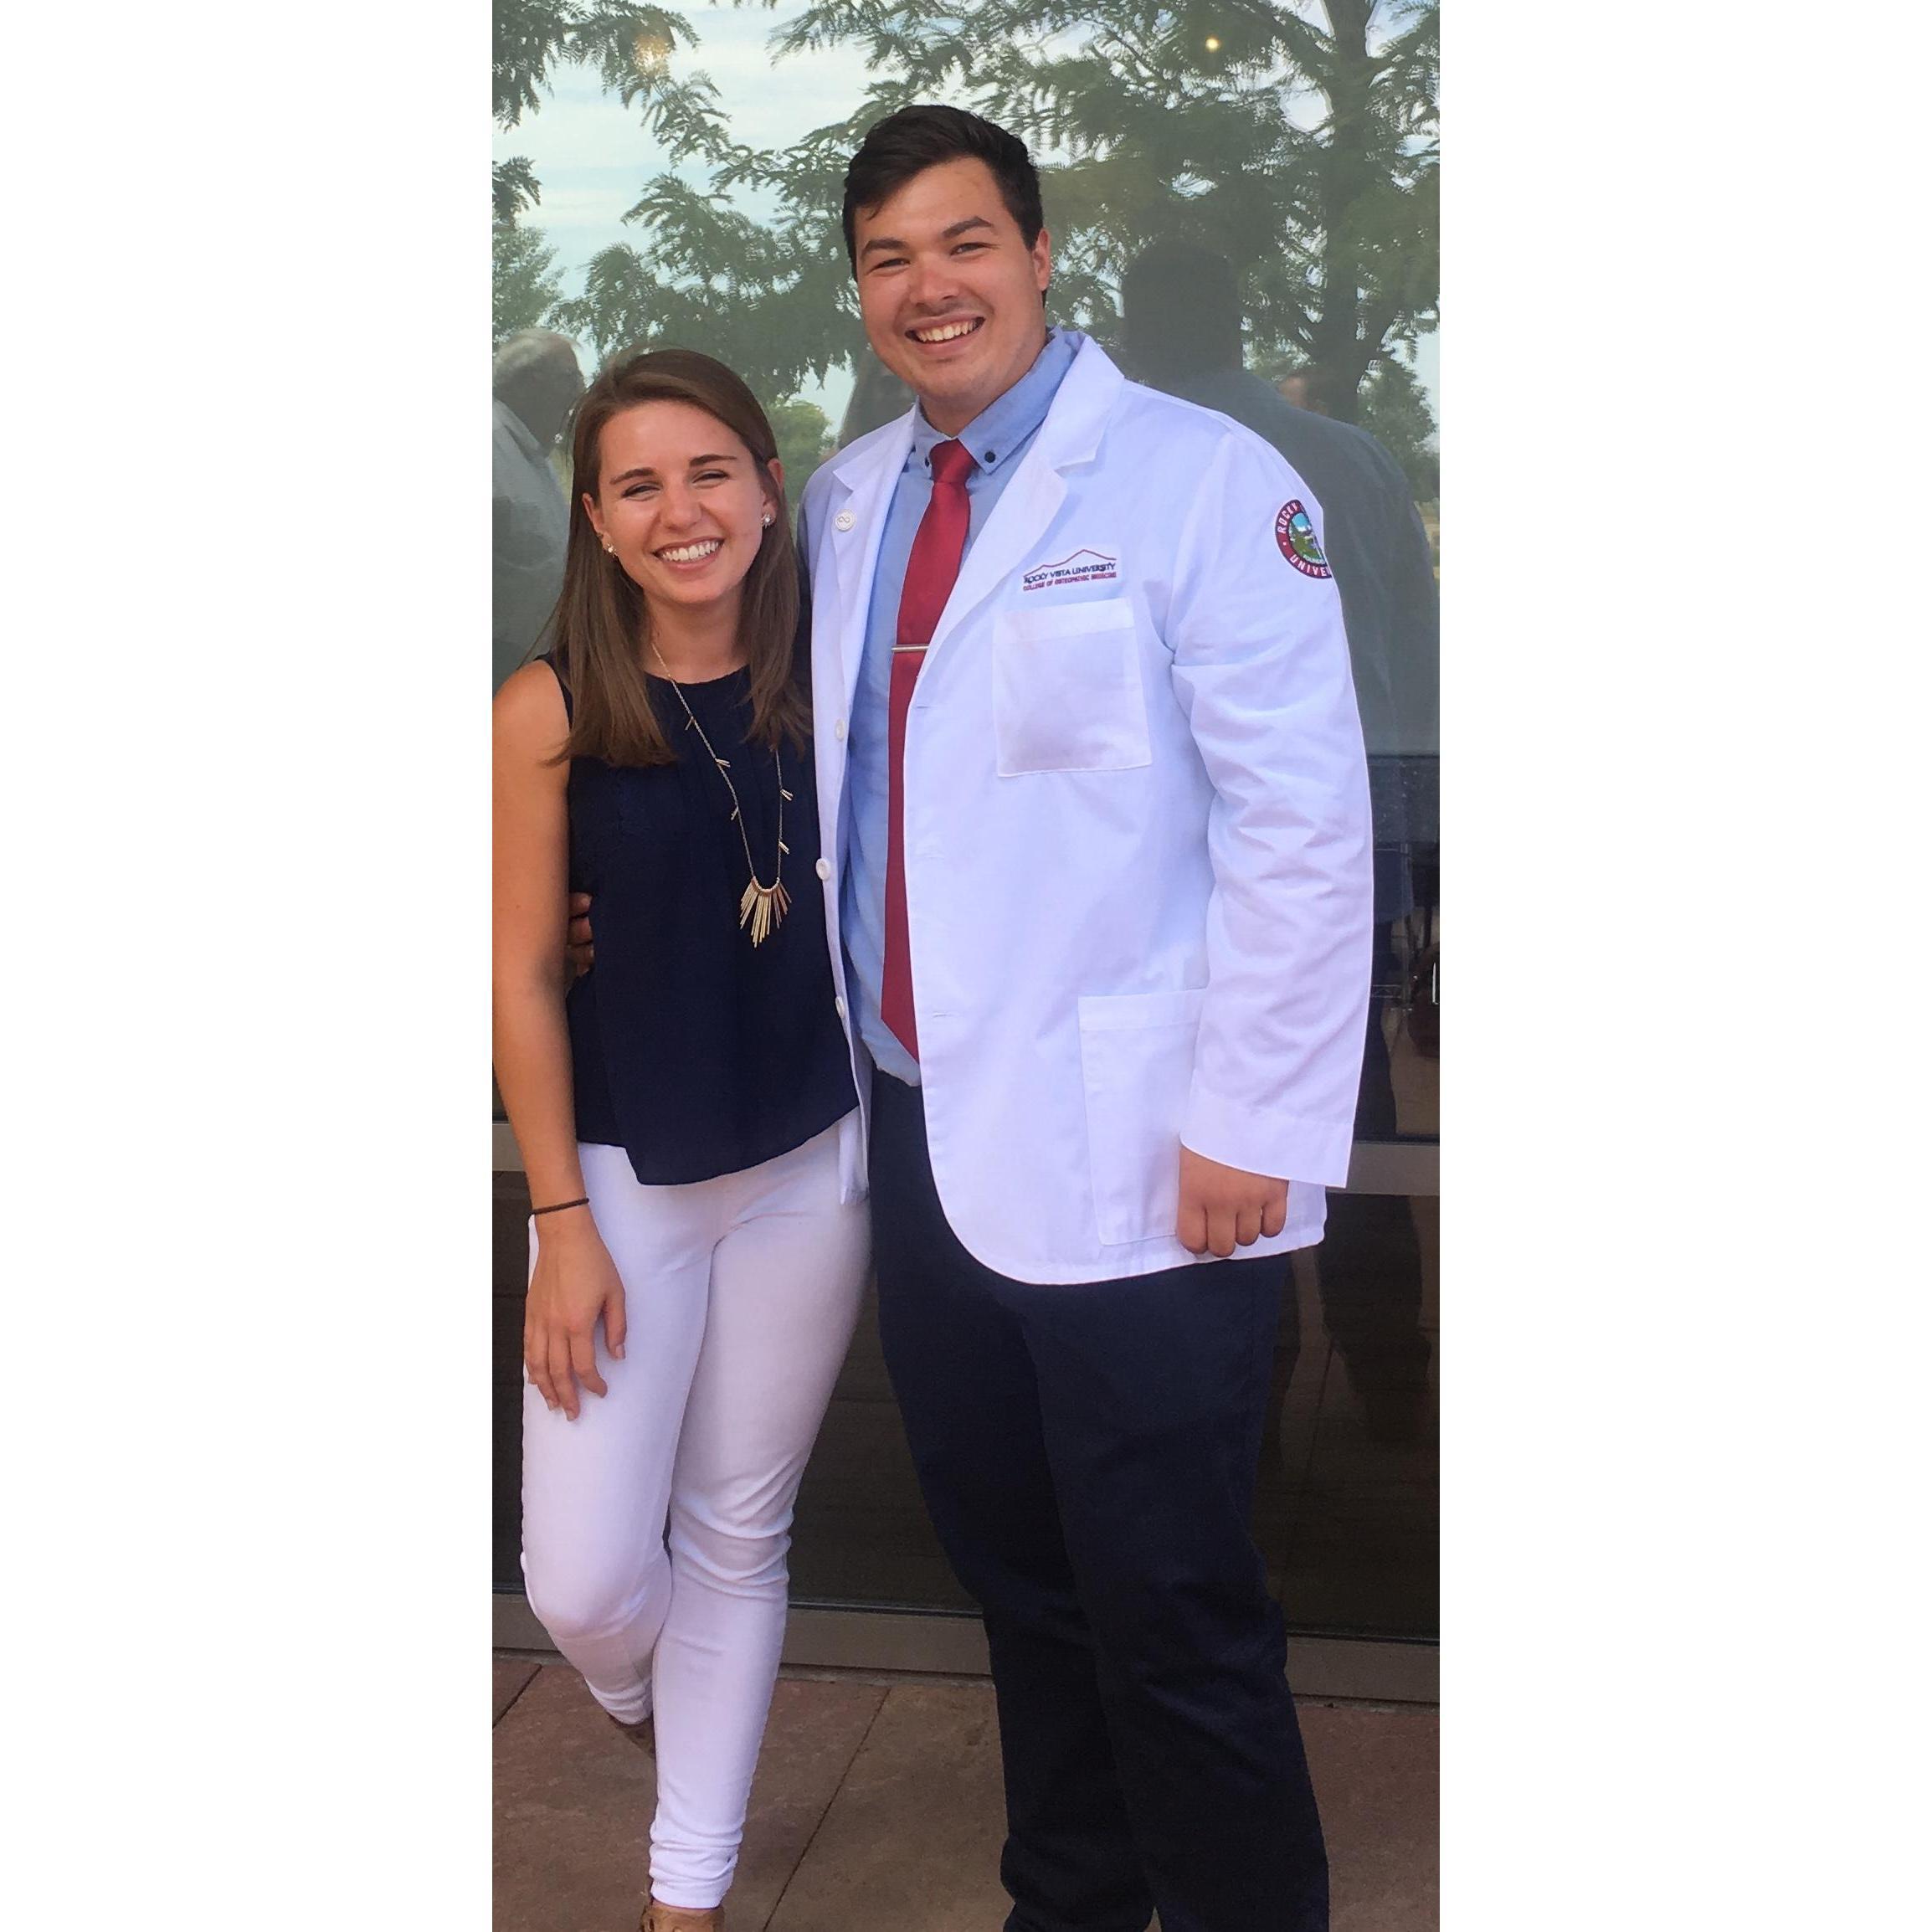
601	621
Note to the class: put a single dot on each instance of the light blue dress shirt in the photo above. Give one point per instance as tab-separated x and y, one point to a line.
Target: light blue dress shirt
997	437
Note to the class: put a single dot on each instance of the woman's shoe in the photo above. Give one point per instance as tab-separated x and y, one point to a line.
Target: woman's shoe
681	1919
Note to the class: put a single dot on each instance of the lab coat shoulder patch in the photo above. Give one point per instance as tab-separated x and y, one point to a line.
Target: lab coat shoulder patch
1084	566
1296	535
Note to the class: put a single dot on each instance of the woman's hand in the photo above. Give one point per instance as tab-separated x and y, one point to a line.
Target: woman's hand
574	1285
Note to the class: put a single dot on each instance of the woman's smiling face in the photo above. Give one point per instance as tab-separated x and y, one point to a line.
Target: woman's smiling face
680	501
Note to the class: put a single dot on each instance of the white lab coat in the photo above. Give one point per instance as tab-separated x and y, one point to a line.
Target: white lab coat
1137	831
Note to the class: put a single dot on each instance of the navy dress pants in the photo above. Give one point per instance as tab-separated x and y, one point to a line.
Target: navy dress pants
1088	1454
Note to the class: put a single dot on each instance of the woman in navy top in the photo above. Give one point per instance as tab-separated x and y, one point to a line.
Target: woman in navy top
686	1113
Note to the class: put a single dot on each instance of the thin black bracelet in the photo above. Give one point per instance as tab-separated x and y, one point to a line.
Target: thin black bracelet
557	1207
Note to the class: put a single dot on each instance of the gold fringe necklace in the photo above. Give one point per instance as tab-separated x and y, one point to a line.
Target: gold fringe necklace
763	908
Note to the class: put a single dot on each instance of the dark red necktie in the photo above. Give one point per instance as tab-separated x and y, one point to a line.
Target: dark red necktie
930	571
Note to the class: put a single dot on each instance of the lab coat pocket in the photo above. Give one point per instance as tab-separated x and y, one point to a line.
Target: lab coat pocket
1136	1061
1066	690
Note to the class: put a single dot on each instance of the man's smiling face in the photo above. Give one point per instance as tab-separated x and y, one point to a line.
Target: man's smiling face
949	289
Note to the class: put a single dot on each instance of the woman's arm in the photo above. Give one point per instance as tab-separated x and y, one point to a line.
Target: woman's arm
574	1282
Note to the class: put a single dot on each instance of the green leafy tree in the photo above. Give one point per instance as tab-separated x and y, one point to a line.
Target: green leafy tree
1396	412
1298	137
524	289
805	435
631	47
763	298
513	188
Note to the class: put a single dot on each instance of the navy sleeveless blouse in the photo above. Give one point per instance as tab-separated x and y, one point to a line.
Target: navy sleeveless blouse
695	1051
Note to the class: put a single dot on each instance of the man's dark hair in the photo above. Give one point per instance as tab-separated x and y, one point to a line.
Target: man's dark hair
917	138
1180	309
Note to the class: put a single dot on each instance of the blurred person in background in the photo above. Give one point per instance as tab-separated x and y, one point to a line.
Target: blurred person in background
1297	389
1181	331
537	383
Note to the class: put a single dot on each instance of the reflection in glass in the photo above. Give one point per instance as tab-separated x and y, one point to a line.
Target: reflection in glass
1344	1513
536	382
1242	206
1181	332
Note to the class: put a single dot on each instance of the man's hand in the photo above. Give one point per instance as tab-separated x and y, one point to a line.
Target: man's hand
1224	1208
579	955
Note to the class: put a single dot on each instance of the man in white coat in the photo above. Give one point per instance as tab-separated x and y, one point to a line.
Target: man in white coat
1090	772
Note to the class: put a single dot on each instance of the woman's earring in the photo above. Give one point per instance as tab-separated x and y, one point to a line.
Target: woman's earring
768	520
609	548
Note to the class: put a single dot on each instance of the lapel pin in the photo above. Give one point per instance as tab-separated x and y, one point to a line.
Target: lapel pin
844	521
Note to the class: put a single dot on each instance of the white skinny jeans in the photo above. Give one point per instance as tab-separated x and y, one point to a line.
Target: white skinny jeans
655	1526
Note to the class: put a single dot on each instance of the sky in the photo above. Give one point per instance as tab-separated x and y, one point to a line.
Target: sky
592	157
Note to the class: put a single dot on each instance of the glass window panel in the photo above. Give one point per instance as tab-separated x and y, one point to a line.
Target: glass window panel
672	176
